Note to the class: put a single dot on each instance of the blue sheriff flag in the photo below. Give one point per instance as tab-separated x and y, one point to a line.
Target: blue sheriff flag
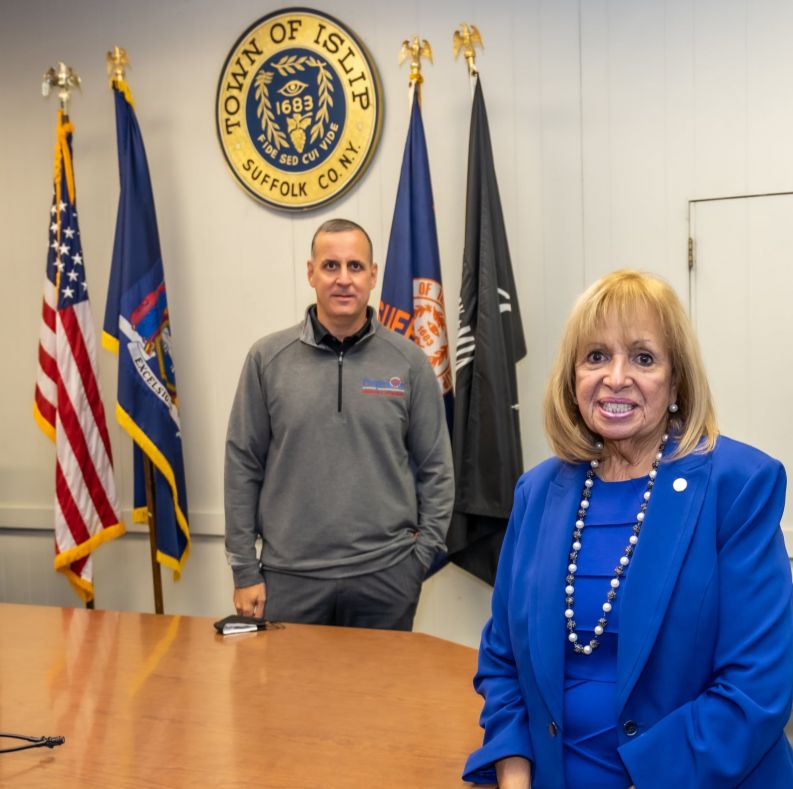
412	302
137	328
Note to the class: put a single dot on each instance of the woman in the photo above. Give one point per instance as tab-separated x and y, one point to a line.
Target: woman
642	627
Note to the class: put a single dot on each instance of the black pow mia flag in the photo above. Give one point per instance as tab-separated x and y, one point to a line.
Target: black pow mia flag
486	437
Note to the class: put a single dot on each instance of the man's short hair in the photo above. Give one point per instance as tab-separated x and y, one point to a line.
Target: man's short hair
341	226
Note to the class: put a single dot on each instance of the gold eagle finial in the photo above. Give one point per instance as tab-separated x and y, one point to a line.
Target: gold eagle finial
65	79
117	61
466	38
415	50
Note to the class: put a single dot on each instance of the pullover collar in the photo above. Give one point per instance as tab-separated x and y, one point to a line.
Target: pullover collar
314	330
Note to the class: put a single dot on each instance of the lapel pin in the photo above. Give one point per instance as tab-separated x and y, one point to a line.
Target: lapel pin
680	484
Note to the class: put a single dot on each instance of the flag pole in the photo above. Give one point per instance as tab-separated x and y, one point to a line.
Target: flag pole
86	512
490	342
117	61
411	299
156	574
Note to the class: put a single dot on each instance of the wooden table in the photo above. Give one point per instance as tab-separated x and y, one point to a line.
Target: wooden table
162	701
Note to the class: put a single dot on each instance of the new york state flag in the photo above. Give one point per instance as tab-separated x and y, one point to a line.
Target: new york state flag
137	328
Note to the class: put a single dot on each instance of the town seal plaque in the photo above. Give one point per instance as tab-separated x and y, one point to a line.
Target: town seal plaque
299	109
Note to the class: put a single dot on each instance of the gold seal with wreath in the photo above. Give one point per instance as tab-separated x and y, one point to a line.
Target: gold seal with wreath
299	109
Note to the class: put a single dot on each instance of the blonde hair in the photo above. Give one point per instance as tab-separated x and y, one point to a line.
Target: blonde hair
624	294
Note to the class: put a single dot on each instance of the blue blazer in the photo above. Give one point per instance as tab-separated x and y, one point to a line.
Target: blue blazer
705	654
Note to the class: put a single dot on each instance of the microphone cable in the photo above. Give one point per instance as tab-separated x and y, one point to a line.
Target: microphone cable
33	742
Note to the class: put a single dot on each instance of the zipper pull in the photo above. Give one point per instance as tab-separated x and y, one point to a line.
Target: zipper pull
341	361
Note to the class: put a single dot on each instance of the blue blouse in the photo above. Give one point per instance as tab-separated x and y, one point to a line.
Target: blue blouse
590	735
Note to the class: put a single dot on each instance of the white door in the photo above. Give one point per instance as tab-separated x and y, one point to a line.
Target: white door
742	308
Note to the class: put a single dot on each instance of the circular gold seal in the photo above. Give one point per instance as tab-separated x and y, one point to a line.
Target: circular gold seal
299	109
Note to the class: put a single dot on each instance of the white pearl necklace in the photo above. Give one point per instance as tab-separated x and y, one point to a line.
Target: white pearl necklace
619	570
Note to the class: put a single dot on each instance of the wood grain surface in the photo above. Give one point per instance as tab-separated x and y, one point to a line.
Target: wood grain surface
163	701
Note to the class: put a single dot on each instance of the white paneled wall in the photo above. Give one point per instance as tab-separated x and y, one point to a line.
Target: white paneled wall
606	118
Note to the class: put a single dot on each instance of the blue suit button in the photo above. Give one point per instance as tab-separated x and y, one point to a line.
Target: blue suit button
630	728
553	729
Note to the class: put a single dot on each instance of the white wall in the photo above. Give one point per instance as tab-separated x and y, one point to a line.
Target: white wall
606	118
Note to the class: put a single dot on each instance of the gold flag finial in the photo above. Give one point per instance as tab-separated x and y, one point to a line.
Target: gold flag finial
117	61
415	50
65	79
466	38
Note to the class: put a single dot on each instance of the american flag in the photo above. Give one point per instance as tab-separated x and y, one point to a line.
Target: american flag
68	406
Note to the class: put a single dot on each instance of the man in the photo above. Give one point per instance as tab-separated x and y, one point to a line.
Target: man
337	456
